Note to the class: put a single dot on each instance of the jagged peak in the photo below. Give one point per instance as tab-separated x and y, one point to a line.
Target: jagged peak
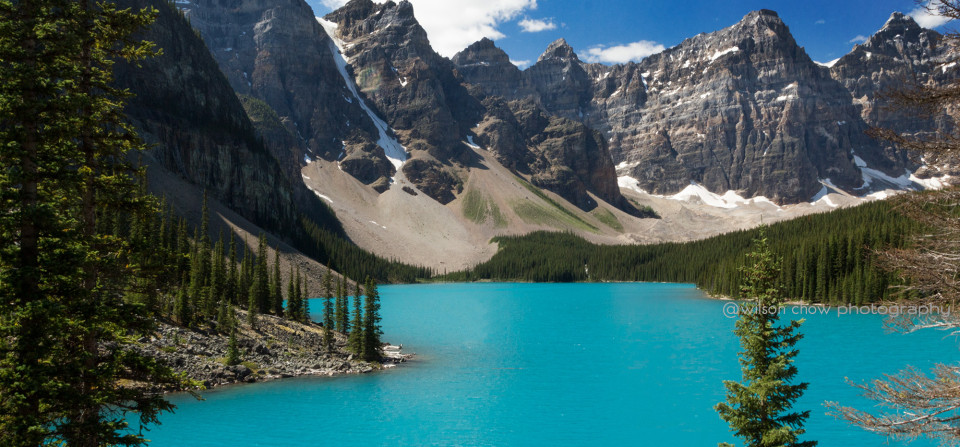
760	24
482	44
764	15
405	9
559	49
481	51
899	20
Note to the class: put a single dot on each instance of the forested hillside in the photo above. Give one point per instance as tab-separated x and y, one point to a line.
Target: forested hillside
827	257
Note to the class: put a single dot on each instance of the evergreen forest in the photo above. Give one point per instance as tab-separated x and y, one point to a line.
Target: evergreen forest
827	257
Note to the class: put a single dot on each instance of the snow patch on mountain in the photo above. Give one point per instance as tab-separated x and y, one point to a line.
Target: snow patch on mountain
718	54
392	148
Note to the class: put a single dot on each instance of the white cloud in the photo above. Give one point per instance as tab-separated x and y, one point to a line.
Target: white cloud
520	64
820	22
536	25
927	18
620	54
859	39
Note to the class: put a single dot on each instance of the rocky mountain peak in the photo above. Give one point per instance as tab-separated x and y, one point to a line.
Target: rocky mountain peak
899	27
405	9
559	49
899	20
900	50
481	52
763	25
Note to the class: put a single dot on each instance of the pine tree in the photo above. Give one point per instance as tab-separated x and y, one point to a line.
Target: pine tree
183	249
276	294
327	287
355	340
205	262
758	408
223	317
181	307
252	305
246	274
371	348
233	352
294	304
218	279
302	298
261	279
63	277
342	310
231	288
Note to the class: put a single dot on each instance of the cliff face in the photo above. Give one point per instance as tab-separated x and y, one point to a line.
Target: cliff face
201	132
483	64
900	52
743	108
276	52
415	89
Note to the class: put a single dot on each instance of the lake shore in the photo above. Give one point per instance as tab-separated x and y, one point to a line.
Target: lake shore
276	349
785	303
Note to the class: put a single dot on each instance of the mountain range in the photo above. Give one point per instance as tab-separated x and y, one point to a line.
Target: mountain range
353	122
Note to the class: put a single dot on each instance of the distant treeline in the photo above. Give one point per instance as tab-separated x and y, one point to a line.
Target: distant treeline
827	257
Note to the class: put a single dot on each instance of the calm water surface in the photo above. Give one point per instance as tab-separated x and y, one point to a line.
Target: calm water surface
549	364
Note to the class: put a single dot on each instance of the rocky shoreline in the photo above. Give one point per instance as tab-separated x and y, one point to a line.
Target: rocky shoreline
277	349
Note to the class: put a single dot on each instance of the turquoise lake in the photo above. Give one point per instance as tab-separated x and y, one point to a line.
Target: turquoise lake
550	365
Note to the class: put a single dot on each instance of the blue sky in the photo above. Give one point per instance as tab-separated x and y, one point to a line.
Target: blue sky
617	30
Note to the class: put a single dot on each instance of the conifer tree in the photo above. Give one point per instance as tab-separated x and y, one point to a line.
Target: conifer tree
302	298
371	348
218	279
63	277
355	340
231	288
261	279
327	287
205	262
223	323
233	352
253	306
294	304
276	294
183	249
181	307
758	408
342	311
337	301
246	274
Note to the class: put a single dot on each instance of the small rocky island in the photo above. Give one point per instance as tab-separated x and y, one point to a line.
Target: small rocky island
278	348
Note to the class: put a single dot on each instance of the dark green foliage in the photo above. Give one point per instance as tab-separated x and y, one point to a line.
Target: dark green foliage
371	347
758	408
218	279
343	307
355	340
233	353
74	293
252	306
350	260
260	287
302	297
327	290
828	257
232	287
276	296
246	275
294	304
182	308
